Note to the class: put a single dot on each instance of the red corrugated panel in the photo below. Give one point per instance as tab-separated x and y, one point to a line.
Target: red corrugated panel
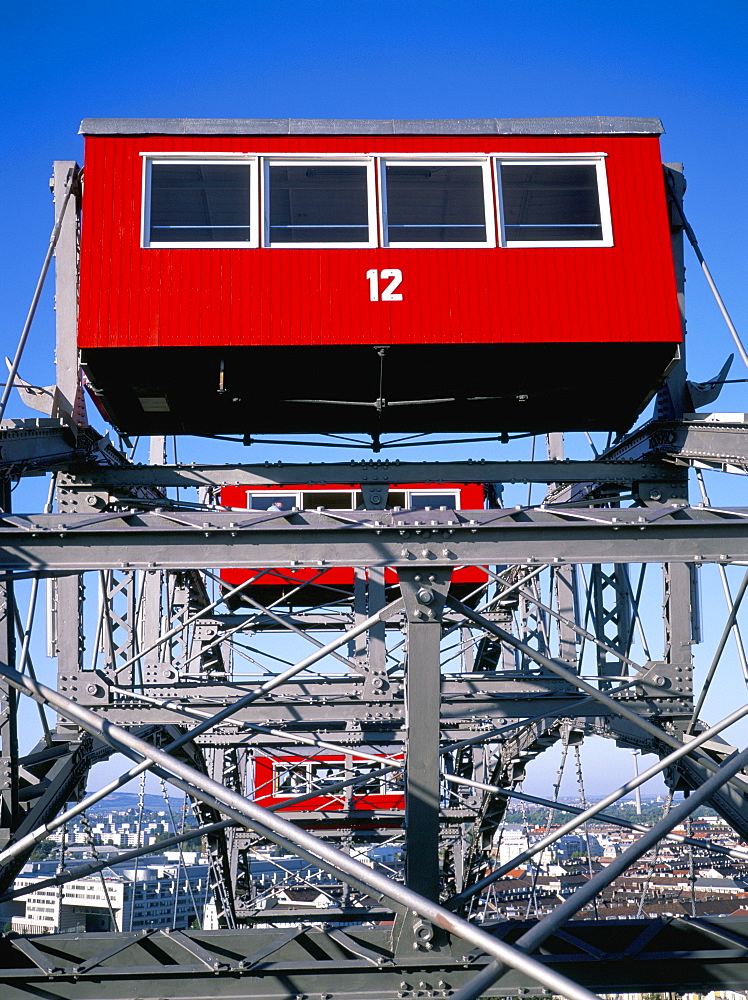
160	297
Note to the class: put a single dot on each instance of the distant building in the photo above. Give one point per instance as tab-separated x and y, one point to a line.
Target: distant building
576	845
163	894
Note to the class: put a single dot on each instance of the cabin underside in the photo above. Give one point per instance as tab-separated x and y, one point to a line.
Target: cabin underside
441	388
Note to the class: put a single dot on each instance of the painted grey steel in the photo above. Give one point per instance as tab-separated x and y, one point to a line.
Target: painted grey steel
480	698
283	832
69	542
677	198
9	812
234	707
571	906
616	707
58	770
385	700
722	443
424	596
33	446
381	472
599	125
597	810
69	392
238	965
678	619
729	625
30	445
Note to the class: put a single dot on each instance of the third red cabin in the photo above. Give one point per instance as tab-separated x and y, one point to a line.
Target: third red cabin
279	779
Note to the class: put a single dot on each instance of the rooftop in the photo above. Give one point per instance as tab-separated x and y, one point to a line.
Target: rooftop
597	125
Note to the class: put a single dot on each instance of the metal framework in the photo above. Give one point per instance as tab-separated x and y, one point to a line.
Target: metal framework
375	693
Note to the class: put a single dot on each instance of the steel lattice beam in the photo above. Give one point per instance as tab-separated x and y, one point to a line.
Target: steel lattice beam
608	956
380	472
184	539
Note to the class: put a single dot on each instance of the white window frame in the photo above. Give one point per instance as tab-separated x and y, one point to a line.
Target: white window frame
596	160
281	769
419	160
332	160
292	495
349	491
376	164
200	159
424	491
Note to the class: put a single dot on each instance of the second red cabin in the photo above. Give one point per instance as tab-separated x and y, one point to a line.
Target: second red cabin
306	587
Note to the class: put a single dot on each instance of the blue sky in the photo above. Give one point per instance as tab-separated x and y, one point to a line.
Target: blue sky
684	63
380	59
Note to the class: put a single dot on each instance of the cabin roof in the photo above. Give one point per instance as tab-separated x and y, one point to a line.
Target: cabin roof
598	125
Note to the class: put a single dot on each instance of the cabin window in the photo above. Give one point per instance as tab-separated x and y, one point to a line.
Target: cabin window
266	500
434	500
327	774
191	203
427	203
215	201
346	499
319	204
291	779
329	499
563	203
299	778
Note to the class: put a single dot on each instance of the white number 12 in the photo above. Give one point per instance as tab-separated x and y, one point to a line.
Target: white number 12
388	294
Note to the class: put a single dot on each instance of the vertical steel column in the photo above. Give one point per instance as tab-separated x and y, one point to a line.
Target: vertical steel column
564	578
69	396
564	585
677	615
69	642
68	591
376	634
673	398
357	646
154	665
227	765
424	593
611	604
8	698
678	609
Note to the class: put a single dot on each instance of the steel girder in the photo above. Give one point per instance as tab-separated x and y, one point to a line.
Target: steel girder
359	963
382	473
515	696
68	543
342	709
486	720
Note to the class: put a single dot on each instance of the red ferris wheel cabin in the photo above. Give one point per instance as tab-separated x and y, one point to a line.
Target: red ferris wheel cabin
305	586
243	276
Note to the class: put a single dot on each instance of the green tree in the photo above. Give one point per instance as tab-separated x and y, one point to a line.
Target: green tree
43	850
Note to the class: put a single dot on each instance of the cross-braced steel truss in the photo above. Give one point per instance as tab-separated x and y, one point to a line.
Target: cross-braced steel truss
350	750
